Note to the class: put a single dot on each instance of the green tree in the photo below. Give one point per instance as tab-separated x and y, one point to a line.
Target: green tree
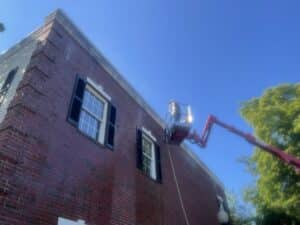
275	117
2	28
240	212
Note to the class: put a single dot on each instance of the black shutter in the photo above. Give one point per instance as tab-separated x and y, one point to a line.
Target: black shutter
76	102
110	129
9	79
158	164
5	87
139	154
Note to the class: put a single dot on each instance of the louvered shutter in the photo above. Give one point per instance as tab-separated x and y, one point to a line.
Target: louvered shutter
158	164
139	153
110	129
76	102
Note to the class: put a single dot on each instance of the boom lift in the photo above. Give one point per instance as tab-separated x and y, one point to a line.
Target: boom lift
180	119
179	122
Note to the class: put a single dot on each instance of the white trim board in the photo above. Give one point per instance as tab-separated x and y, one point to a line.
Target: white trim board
63	221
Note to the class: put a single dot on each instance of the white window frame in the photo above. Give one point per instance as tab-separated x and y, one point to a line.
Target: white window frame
153	172
98	92
63	221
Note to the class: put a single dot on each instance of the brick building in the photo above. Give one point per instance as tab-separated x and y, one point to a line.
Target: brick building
78	145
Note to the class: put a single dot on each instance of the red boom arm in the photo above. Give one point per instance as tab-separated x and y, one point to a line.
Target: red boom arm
202	141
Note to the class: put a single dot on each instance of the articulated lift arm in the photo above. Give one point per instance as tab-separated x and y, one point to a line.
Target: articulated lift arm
201	140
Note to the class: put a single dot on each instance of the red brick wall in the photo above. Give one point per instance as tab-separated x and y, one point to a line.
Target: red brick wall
49	169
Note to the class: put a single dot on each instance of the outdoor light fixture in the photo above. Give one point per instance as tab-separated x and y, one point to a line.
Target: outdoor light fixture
223	217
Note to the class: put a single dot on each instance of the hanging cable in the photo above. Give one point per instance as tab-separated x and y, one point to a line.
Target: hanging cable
177	187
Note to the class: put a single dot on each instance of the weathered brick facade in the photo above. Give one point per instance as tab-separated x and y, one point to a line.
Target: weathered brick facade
49	169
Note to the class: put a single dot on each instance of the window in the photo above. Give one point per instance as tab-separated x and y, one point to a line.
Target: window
92	113
91	120
7	83
148	156
148	159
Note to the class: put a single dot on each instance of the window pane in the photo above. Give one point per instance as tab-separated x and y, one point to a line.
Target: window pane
147	147
88	124
147	165
93	104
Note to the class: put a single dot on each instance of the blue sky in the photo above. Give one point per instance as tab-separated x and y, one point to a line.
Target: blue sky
211	54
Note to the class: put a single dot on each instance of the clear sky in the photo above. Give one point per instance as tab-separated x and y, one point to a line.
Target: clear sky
211	54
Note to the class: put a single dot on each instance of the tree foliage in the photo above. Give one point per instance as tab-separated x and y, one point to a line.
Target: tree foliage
240	213
275	117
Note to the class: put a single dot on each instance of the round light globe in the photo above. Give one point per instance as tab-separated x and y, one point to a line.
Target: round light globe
223	215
